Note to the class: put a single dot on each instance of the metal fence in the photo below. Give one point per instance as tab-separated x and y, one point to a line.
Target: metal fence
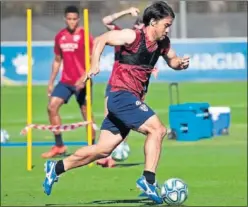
193	19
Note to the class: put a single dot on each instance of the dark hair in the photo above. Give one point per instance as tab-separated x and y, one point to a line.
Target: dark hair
138	21
71	9
158	10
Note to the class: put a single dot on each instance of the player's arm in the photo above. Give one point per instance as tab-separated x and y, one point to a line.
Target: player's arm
113	38
55	66
55	70
108	21
175	62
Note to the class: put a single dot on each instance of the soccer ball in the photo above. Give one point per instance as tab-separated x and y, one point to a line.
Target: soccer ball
174	191
4	136
126	147
121	152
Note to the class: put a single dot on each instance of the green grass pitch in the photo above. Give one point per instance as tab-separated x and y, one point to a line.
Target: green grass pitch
214	169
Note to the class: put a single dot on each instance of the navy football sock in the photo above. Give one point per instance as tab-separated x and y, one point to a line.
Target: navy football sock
59	167
58	140
150	177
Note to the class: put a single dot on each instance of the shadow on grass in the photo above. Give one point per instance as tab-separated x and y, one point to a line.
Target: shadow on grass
143	202
128	164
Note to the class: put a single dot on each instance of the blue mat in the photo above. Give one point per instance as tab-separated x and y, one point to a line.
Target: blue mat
41	144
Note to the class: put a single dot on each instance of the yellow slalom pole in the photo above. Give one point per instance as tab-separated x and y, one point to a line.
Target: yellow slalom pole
29	89
88	83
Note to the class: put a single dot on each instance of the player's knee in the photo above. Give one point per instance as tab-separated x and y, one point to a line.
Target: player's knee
103	152
162	131
52	109
84	109
105	112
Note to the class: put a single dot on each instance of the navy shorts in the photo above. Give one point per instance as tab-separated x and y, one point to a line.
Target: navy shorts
65	91
107	91
126	112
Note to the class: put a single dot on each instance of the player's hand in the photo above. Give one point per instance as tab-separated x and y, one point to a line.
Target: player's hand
134	11
143	98
184	64
49	89
155	72
80	84
93	72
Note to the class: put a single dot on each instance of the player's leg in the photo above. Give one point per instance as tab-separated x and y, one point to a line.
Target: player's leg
83	156
105	145
60	95
107	91
81	99
110	137
155	132
104	161
138	116
83	109
108	161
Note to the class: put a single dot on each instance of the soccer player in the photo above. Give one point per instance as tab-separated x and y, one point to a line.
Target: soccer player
140	52
69	50
108	21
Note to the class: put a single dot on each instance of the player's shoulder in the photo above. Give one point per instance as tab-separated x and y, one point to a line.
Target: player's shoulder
132	32
139	31
135	36
80	30
127	33
60	33
138	34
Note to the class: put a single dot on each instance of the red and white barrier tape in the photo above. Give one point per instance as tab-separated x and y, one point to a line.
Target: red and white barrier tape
54	128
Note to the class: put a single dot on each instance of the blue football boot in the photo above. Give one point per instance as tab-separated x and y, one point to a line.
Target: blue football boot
51	176
149	189
144	194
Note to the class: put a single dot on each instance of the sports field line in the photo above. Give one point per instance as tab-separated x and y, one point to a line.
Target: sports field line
173	143
41	144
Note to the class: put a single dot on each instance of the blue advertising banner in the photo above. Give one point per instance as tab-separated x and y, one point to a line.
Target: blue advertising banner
211	60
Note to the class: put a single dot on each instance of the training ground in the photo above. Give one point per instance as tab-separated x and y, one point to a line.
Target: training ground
214	169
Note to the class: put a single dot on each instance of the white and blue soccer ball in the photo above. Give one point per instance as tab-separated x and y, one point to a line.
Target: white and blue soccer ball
126	147
121	152
174	191
4	136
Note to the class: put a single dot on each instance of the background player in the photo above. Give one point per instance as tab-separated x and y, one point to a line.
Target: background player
126	110
108	22
69	49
